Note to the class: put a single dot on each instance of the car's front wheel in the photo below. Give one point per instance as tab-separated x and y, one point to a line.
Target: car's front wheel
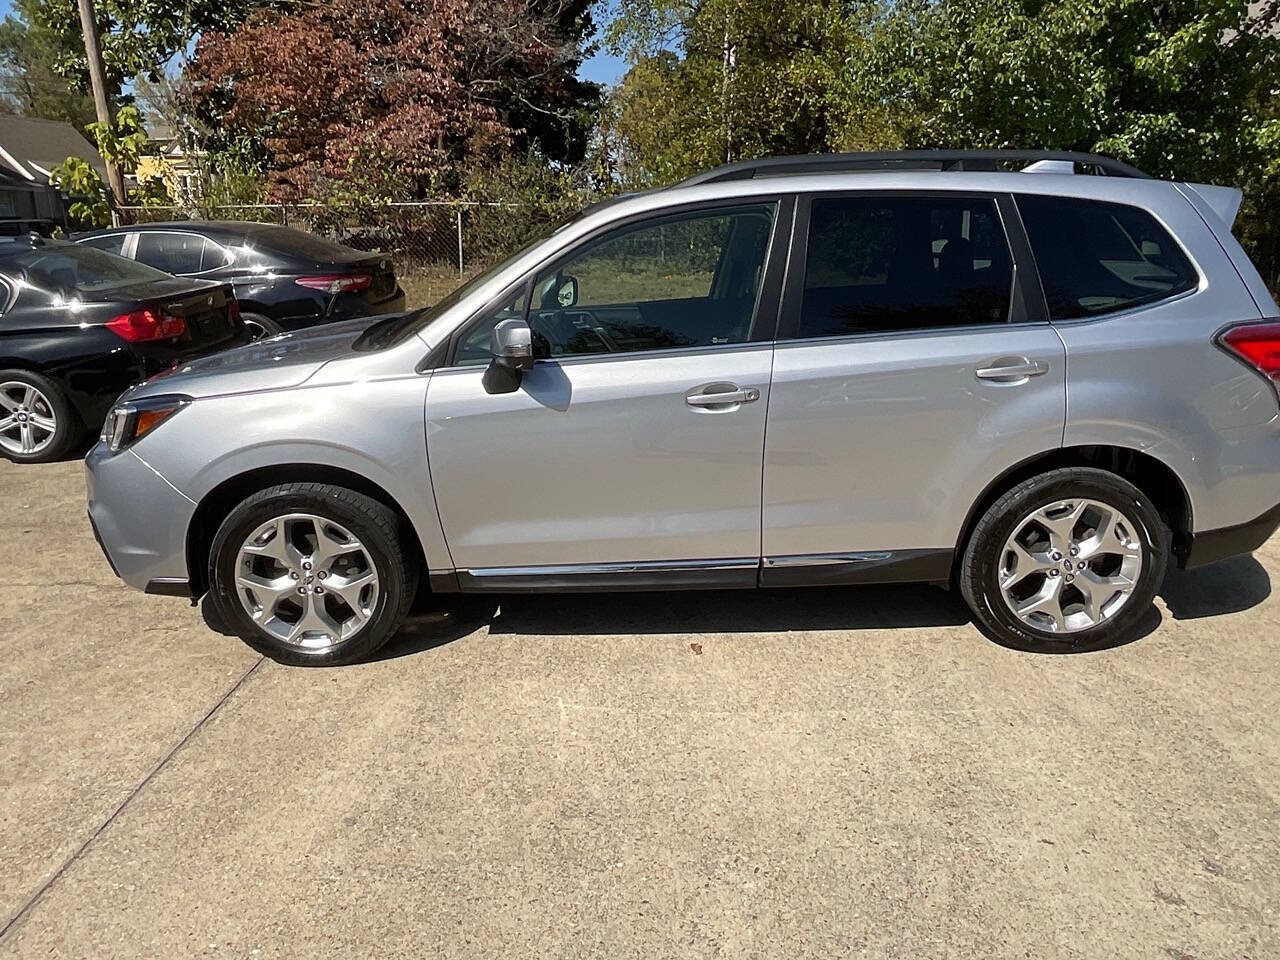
1068	560
312	574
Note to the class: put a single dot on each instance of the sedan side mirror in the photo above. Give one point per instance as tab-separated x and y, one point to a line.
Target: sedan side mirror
511	344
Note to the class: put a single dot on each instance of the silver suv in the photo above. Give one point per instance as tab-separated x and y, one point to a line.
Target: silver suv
1037	384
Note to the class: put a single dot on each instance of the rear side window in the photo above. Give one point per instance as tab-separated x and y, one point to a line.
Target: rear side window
112	243
884	263
1096	257
171	252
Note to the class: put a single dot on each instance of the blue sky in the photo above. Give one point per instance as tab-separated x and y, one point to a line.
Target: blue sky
602	68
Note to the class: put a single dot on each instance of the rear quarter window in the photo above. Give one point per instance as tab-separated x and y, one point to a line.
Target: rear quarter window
1096	258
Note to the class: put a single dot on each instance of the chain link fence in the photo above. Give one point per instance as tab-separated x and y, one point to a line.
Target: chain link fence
433	244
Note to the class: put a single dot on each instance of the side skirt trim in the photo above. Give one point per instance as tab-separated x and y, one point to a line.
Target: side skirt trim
802	570
732	573
880	566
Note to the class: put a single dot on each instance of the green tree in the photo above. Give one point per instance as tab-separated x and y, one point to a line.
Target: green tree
90	199
722	80
1185	90
30	84
139	37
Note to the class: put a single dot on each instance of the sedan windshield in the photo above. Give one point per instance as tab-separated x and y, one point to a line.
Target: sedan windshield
71	268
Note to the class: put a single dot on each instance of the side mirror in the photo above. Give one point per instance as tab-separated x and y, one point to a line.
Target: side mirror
567	292
511	344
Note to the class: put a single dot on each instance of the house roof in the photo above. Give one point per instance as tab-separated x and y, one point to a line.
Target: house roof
31	147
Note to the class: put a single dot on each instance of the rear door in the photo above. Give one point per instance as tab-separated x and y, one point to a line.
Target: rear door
914	365
630	453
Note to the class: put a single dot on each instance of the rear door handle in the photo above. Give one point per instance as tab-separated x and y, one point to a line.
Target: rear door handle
1008	369
722	399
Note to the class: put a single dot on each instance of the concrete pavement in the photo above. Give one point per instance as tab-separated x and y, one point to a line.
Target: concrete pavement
840	771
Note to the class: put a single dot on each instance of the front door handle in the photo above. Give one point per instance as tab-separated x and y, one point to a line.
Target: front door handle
720	399
1010	369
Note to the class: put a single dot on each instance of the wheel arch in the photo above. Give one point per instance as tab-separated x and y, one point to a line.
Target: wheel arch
215	505
1153	477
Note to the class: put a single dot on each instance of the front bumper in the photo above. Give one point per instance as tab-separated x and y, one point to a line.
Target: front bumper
1214	545
139	520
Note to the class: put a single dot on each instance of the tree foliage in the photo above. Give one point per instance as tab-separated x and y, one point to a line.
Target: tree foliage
368	99
138	37
30	84
1186	89
722	80
90	199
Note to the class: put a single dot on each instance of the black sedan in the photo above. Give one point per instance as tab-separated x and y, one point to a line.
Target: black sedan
285	279
79	326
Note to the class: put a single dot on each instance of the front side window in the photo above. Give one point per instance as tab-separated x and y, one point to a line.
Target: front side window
171	252
1096	257
893	263
690	280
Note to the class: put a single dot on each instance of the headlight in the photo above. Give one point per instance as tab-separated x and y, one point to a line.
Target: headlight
129	422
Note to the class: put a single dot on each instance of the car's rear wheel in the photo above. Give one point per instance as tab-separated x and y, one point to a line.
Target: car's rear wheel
1068	560
312	574
37	422
260	327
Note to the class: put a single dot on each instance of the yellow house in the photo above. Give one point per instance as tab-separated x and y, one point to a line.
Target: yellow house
168	160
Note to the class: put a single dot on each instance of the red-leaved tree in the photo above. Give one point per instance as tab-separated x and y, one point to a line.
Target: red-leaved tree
392	96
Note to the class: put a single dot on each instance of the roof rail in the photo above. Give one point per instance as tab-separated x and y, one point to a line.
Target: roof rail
941	160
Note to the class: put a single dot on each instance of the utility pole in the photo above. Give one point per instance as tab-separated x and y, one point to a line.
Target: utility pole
98	80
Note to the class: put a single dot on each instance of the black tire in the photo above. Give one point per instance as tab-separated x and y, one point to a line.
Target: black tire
267	326
980	562
69	428
375	525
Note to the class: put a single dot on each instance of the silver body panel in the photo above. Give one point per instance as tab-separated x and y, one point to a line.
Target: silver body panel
884	443
858	450
600	460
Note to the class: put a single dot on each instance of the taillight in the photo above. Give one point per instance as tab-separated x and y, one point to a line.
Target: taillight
146	324
352	283
1258	344
233	311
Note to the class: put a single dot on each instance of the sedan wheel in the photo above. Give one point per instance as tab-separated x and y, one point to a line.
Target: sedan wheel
37	422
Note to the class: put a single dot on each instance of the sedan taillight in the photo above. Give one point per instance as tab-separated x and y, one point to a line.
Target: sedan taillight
352	283
146	324
1257	344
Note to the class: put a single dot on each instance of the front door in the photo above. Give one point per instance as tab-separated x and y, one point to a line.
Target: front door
910	373
630	453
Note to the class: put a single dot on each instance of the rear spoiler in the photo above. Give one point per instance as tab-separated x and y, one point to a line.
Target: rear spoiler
1224	201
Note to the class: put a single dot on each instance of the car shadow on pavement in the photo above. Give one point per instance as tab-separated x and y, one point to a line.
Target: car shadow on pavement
1227	587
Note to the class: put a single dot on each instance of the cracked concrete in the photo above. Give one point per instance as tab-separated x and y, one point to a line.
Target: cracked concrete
775	774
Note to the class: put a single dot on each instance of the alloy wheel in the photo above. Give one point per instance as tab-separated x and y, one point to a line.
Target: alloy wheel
307	581
1070	565
28	423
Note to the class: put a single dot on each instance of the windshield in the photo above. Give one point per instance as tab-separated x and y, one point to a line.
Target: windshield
68	268
395	330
